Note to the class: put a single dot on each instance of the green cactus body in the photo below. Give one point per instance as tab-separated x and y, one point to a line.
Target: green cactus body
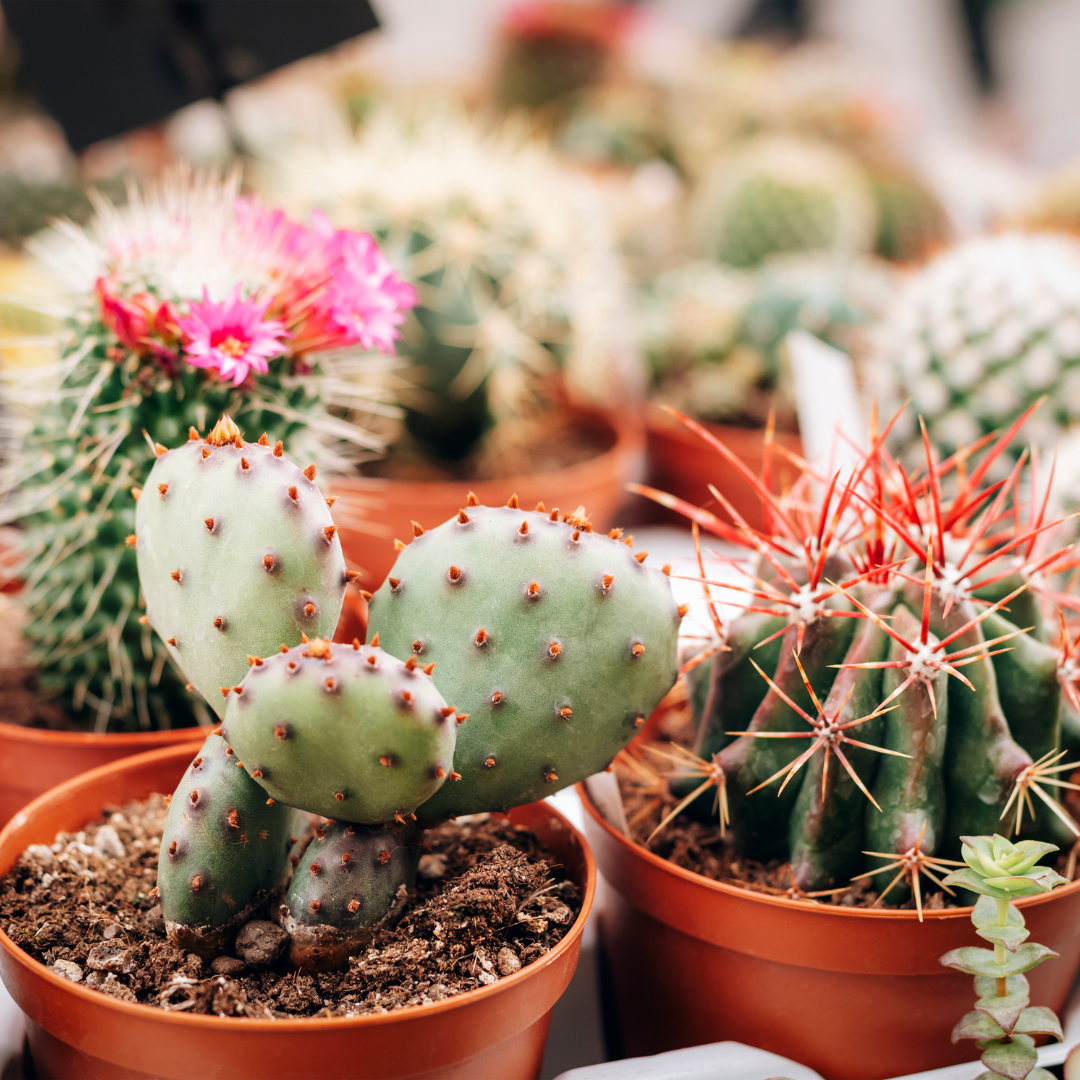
1070	730
344	887
826	827
222	849
911	790
761	819
556	642
237	555
1022	611
1027	686
982	760
733	691
343	731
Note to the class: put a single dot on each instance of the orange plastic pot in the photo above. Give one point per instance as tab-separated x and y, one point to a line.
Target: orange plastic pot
496	1031
683	464
372	512
854	994
33	760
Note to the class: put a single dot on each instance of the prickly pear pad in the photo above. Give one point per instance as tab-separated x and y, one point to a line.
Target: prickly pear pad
351	733
223	844
555	641
237	554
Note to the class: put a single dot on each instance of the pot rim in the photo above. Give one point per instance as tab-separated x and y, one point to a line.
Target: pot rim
625	424
148	740
700	881
310	1023
658	421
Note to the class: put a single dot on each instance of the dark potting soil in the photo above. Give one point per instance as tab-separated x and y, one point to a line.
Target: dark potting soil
699	847
20	700
489	900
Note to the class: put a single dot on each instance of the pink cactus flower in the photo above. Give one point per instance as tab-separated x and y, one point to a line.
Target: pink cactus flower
233	337
125	318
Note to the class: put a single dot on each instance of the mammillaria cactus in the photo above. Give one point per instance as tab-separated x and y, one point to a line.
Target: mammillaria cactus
779	195
1003	1021
558	640
519	281
184	304
981	332
894	628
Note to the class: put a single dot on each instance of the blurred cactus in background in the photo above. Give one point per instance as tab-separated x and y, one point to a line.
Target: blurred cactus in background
983	331
714	336
521	304
185	303
780	196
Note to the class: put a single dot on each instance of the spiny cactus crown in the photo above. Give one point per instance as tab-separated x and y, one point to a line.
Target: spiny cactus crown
891	688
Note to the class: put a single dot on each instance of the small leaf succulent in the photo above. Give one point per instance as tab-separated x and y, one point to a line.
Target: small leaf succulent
1003	1022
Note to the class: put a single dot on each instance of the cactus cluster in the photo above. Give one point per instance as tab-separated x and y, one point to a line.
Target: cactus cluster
186	303
519	281
980	333
555	643
891	686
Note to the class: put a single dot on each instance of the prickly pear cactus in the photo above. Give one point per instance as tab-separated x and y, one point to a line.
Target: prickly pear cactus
348	732
237	555
344	887
222	850
555	641
982	332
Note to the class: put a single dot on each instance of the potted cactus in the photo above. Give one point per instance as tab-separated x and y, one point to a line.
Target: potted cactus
520	364
185	302
554	643
979	334
888	689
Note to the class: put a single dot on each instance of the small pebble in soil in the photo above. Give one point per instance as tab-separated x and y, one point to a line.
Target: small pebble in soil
228	966
68	970
260	943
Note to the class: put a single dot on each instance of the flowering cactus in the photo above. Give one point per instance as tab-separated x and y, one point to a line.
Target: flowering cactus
1003	1022
187	303
558	641
889	679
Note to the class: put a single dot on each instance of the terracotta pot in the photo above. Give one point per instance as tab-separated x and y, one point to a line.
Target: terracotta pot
498	1030
683	464
372	512
852	993
32	760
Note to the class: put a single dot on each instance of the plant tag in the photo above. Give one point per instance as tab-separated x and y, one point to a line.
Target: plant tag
603	789
827	402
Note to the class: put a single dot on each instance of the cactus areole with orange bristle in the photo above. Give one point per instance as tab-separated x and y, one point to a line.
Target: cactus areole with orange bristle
544	646
264	573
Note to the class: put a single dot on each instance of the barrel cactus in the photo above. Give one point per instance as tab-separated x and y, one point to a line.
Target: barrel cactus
782	195
518	275
980	333
890	687
183	304
553	642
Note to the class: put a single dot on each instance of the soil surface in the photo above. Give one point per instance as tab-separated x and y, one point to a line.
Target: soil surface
489	900
699	847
